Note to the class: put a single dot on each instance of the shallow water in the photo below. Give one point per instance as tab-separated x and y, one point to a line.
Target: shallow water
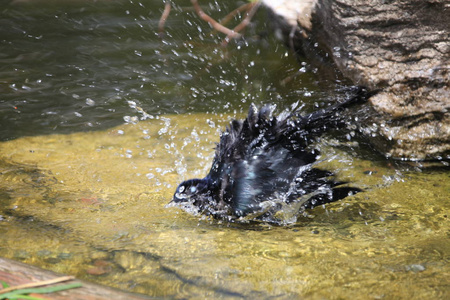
92	204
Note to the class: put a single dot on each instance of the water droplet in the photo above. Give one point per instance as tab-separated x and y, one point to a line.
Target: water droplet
90	102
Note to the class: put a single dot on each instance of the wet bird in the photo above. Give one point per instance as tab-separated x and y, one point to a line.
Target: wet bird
266	163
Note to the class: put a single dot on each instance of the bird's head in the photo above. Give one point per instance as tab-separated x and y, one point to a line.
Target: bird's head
193	195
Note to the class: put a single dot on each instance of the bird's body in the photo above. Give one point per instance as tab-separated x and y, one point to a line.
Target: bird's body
264	163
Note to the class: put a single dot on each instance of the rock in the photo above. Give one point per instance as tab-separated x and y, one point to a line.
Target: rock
415	268
401	47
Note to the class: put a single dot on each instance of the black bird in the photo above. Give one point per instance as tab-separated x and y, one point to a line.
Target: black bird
264	163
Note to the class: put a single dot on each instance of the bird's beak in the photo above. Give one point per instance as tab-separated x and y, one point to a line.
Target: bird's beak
172	203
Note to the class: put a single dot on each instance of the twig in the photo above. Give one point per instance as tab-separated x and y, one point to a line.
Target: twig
249	15
253	8
36	284
240	9
216	25
163	19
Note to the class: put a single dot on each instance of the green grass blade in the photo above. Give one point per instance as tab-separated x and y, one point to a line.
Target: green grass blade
26	297
42	290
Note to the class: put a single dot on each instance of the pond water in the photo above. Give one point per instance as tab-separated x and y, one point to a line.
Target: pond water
101	119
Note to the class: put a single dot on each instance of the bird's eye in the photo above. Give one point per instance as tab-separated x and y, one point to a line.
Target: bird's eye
181	189
193	189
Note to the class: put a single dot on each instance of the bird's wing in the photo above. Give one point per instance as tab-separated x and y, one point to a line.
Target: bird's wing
253	161
238	139
267	176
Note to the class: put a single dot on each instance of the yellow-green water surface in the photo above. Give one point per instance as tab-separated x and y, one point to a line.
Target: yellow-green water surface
93	205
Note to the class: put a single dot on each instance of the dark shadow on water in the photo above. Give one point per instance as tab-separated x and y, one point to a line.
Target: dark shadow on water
76	67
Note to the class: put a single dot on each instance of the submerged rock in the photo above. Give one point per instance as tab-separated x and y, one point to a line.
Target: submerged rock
401	47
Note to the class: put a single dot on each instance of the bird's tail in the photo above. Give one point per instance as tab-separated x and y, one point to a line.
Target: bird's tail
319	121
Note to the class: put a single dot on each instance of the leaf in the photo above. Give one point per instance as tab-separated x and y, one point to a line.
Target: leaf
20	293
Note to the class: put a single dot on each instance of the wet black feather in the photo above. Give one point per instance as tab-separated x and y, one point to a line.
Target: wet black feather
266	161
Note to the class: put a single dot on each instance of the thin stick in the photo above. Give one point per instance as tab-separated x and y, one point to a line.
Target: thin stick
249	15
253	8
36	284
216	25
163	19
240	9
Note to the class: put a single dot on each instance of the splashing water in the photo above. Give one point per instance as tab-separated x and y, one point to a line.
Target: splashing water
78	201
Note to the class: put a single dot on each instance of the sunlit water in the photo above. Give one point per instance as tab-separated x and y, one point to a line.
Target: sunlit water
92	204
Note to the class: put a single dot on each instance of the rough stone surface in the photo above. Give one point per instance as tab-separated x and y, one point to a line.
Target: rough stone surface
402	47
293	11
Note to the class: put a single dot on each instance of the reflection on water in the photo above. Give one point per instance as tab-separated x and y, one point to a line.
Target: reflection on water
71	67
92	203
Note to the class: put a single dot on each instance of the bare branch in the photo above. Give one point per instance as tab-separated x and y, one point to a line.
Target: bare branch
163	19
37	284
216	25
253	8
248	17
227	18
